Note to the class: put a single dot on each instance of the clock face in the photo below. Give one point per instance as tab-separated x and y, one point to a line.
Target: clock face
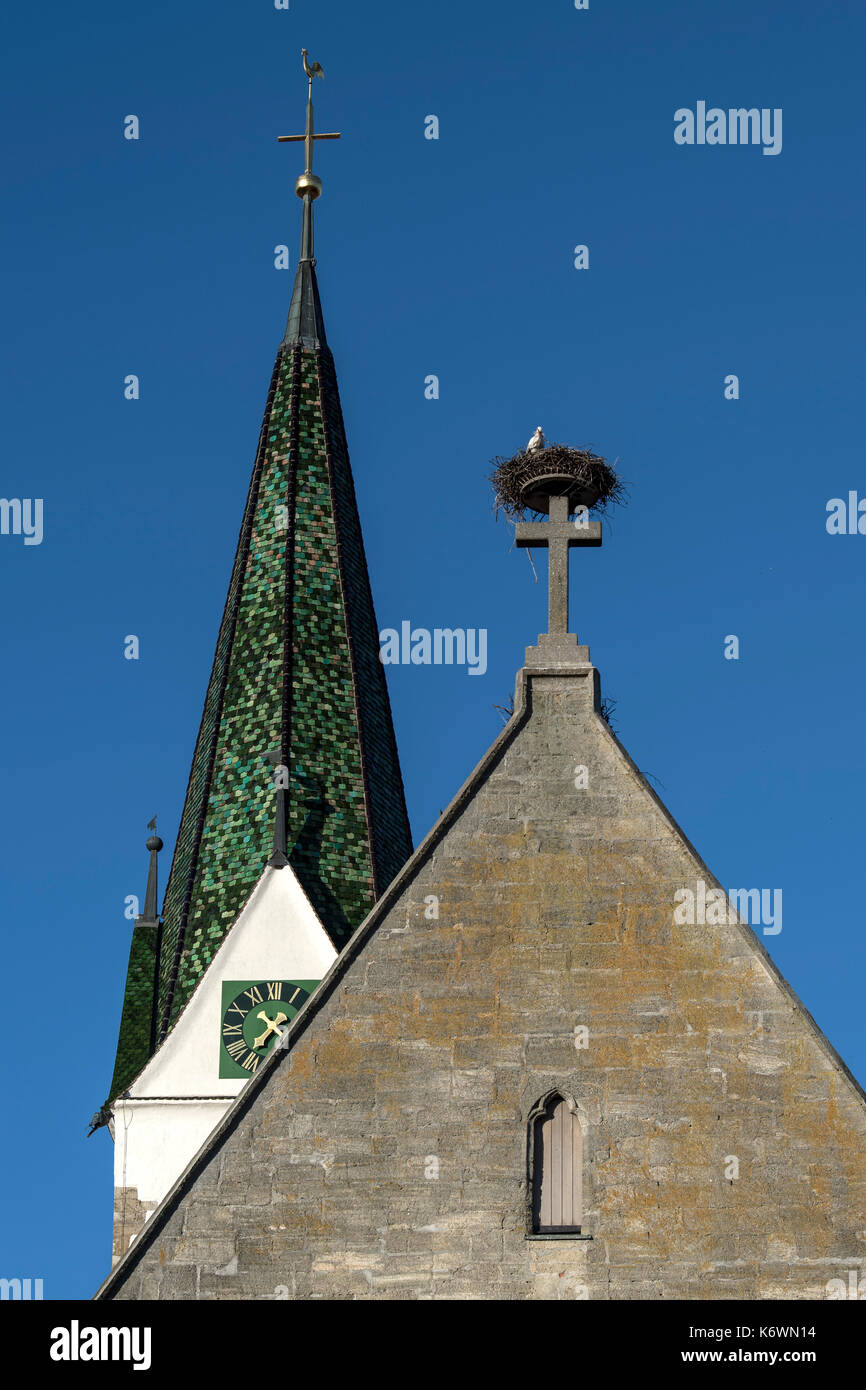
255	1015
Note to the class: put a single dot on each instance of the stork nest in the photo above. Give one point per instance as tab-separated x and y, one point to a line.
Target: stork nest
510	476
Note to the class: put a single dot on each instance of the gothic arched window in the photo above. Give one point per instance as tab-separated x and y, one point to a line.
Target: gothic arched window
557	1168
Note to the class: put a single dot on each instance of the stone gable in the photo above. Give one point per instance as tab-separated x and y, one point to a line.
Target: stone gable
385	1154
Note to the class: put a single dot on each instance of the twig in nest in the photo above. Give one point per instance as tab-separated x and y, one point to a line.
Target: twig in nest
506	710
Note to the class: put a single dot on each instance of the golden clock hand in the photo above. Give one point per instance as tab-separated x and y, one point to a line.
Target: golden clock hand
273	1026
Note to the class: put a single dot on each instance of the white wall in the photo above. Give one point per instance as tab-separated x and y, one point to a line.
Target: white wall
179	1098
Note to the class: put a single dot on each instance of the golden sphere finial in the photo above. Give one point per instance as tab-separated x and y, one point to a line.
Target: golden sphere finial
308	185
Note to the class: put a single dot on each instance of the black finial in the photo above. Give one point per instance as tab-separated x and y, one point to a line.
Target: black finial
279	858
154	844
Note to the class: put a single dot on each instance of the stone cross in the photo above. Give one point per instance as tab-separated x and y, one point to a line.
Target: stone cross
558	534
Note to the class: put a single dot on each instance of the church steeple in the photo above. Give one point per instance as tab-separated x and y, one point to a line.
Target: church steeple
297	668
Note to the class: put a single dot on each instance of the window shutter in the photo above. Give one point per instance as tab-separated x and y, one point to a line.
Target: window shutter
557	1169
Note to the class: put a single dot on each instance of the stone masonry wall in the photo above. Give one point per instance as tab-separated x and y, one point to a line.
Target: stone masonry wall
385	1154
129	1217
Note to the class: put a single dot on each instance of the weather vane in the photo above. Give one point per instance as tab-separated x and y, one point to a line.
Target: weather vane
308	184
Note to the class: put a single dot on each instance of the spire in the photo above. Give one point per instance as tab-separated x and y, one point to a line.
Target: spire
296	670
154	844
138	1019
305	325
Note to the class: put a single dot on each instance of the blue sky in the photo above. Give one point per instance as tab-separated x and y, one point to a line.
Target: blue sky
452	257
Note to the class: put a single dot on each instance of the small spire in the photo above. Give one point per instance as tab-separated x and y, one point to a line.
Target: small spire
154	844
305	324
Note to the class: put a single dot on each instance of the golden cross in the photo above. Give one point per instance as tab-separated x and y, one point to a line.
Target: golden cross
308	185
